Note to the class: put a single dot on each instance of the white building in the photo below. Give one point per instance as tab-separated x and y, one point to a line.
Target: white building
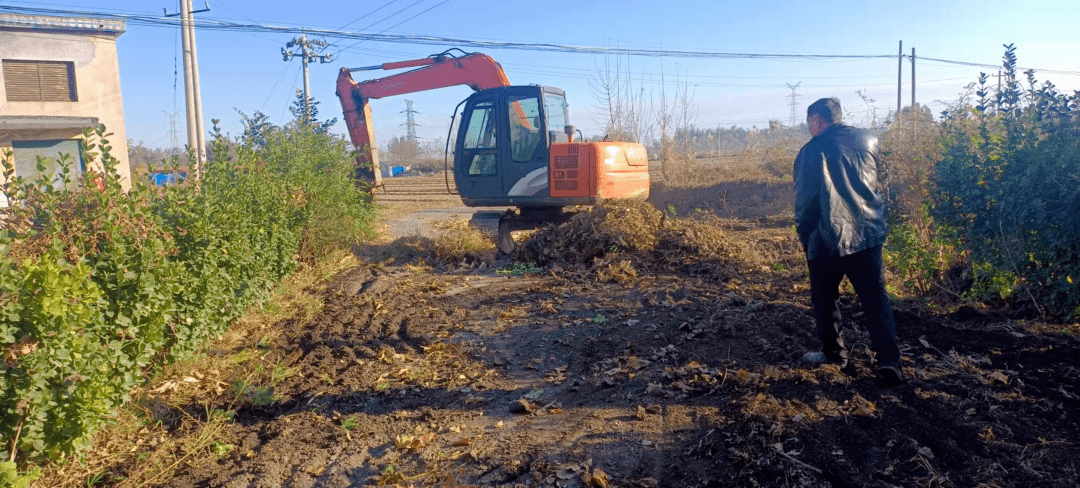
60	75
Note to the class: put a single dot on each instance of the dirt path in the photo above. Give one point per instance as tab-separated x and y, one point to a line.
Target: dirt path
685	374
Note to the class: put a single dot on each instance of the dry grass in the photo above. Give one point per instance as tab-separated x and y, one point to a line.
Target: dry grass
768	166
457	244
463	243
401	209
748	186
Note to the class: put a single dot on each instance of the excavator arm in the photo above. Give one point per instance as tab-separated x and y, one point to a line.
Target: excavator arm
476	70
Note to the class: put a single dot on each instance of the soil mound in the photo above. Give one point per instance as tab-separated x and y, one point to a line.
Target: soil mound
611	226
630	234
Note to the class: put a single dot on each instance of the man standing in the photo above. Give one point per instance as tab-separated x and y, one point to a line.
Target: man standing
840	218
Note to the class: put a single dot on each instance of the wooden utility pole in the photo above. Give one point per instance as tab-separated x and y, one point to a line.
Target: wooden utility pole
899	77
306	55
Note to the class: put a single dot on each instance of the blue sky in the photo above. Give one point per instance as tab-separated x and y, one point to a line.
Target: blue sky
245	71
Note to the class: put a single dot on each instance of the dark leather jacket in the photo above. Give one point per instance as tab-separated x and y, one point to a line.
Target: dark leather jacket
838	210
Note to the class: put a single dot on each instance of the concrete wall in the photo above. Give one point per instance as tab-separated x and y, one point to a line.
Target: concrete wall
97	78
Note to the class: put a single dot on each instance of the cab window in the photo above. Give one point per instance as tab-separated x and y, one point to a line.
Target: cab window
480	141
555	110
524	126
481	131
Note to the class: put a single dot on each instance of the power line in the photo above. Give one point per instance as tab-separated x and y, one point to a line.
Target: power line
294	86
399	23
994	66
226	7
362	17
221	25
276	83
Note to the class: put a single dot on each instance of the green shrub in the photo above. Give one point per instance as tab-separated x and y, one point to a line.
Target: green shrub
98	287
87	291
318	171
917	253
1008	189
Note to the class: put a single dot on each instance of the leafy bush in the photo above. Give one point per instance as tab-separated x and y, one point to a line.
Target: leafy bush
914	249
1008	192
318	171
87	291
99	286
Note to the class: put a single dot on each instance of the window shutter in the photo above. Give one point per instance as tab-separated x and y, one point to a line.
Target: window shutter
40	81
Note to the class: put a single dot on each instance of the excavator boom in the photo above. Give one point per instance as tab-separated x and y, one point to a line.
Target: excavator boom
476	70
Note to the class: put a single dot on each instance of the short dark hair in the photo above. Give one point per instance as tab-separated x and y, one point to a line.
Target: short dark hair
826	108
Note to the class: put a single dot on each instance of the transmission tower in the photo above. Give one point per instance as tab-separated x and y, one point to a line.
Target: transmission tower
410	121
171	125
794	101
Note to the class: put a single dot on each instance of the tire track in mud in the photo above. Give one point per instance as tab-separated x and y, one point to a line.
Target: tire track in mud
670	379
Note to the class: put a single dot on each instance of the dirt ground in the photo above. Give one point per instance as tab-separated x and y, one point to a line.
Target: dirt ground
668	363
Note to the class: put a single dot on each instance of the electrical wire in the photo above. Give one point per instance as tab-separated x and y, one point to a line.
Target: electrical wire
276	83
413	17
222	25
367	14
294	87
992	66
387	17
226	7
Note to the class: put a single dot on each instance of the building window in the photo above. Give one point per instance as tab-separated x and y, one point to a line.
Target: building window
40	81
51	153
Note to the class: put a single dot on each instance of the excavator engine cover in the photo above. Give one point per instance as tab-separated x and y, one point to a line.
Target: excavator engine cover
599	170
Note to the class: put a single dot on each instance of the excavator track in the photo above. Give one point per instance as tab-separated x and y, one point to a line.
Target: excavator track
497	225
500	226
487	222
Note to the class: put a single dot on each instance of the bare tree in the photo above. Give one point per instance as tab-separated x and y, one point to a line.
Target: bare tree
685	118
664	120
675	120
623	107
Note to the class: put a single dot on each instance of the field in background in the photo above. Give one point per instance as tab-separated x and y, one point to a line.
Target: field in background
747	186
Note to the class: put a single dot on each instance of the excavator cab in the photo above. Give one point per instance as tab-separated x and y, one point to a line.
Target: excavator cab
503	146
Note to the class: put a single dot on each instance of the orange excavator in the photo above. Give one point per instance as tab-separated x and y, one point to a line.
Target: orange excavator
514	147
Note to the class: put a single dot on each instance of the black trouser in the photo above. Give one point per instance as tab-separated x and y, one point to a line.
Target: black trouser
867	274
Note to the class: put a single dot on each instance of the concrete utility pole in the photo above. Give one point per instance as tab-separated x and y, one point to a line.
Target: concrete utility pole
794	104
912	77
915	127
899	77
192	95
306	55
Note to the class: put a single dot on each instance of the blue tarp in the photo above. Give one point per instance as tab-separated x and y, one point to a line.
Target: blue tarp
162	179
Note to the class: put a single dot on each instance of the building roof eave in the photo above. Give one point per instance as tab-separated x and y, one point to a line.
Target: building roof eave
40	122
74	25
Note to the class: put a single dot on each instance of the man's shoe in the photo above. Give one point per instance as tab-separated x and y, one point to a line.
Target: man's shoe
890	377
820	358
